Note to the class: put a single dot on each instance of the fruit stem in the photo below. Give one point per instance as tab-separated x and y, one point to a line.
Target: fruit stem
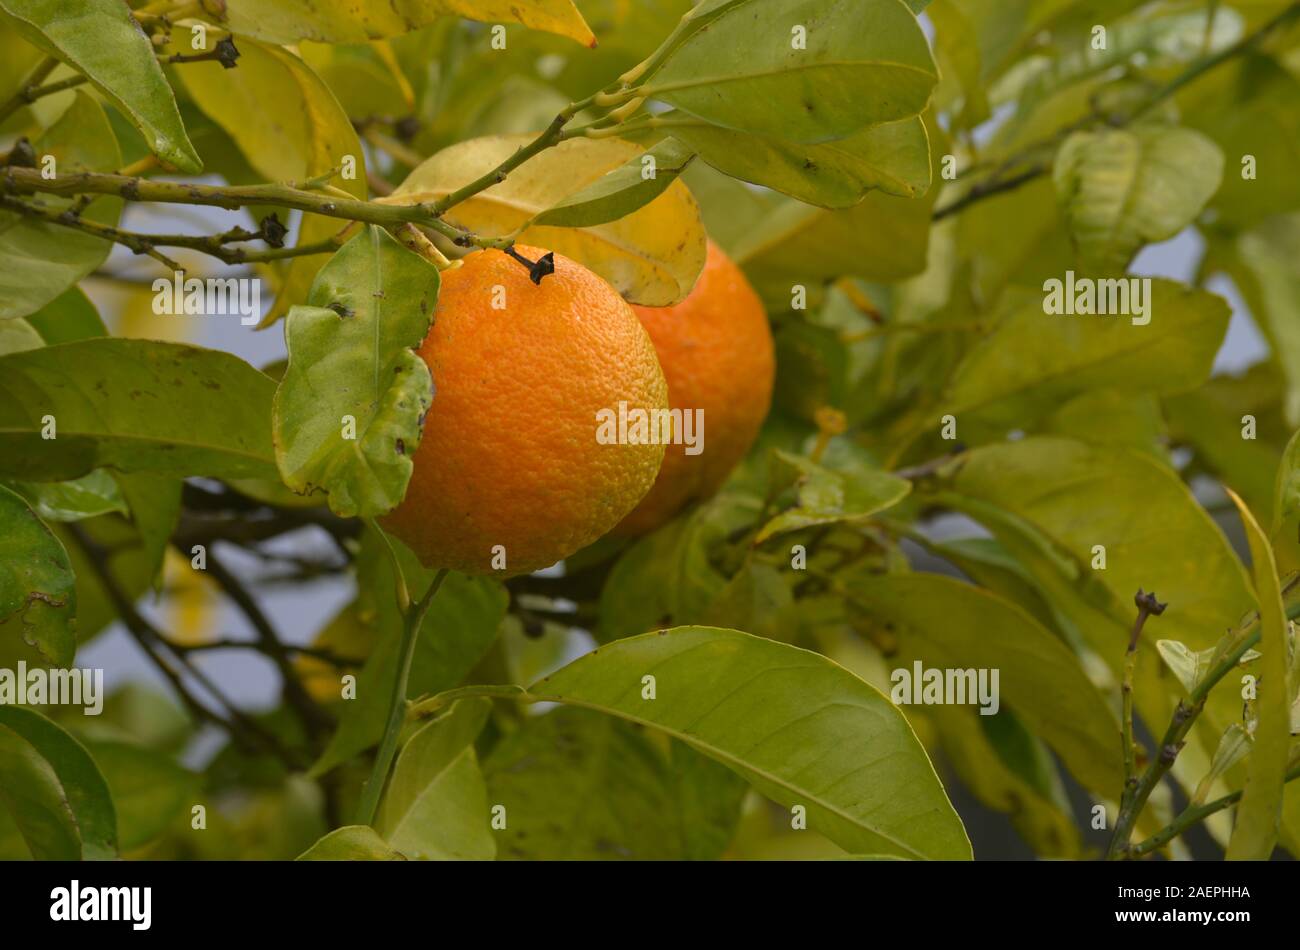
412	620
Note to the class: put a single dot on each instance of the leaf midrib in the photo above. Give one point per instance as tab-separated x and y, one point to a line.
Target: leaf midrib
736	762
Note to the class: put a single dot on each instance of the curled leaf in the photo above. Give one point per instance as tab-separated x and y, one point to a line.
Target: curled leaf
348	413
651	256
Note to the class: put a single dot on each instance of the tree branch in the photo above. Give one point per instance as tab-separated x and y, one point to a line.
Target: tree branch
213	245
242	729
314	719
1184	717
1193	814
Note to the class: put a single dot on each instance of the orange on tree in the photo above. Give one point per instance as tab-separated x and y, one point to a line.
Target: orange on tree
716	351
509	463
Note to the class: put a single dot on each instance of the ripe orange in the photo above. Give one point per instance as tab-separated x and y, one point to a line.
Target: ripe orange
716	351
510	454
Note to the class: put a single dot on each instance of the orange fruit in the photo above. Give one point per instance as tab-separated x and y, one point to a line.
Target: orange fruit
510	456
716	351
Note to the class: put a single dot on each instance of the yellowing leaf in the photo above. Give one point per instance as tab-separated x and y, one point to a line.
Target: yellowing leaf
652	256
290	127
341	21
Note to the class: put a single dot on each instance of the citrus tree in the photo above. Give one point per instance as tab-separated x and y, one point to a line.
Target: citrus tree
740	425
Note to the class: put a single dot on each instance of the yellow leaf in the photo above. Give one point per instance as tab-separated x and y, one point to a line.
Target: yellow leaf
290	127
345	21
652	256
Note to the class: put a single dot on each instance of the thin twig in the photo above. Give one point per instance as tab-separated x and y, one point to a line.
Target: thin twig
1192	815
314	719
242	729
1147	606
214	245
1180	725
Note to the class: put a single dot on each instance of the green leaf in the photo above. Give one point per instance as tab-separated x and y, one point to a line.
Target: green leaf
348	413
1155	536
105	43
667	578
1286	508
1122	188
69	316
339	21
1248	107
620	192
577	785
155	508
17	60
1209	420
1255	832
826	496
95	493
134	405
1011	771
865	61
39	261
1233	747
1190	666
987	562
882	238
799	728
351	843
957	53
461	625
1113	417
893	157
948	624
289	126
1269	278
17	335
38	600
436	805
53	791
149	790
1073	355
